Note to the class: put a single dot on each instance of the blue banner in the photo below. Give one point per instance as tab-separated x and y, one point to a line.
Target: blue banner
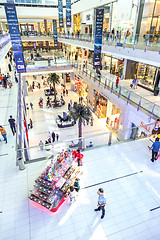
98	37
60	12
11	16
68	13
55	33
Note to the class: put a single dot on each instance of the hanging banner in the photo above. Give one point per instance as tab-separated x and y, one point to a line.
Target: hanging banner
68	13
11	16
60	12
55	33
98	37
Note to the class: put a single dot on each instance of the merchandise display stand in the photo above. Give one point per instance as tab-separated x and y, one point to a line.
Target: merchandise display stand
52	187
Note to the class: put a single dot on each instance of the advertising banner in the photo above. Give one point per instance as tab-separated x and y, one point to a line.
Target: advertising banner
11	16
98	37
68	13
55	33
60	12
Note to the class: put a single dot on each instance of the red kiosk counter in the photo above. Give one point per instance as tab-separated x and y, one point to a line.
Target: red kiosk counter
52	187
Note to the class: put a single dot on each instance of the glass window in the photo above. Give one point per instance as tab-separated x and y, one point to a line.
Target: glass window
157	9
148	8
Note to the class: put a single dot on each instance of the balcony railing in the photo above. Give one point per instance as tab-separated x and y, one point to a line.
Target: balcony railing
146	42
97	140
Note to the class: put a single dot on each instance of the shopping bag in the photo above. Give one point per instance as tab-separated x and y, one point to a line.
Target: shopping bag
131	85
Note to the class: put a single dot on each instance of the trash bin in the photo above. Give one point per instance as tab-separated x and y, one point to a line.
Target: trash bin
21	165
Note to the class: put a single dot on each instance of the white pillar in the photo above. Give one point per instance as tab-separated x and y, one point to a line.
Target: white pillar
124	68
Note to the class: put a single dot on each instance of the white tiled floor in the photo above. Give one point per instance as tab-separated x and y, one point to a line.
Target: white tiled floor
129	199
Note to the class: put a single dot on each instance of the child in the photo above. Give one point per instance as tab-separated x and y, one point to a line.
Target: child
57	136
72	195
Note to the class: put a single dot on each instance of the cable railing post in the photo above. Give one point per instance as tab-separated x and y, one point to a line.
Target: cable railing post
128	97
112	88
139	104
110	139
119	92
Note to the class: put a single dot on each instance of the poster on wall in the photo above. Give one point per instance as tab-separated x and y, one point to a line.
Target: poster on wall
68	13
98	37
60	12
11	16
55	33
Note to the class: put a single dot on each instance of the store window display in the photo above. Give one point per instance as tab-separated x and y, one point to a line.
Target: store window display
113	65
146	75
100	105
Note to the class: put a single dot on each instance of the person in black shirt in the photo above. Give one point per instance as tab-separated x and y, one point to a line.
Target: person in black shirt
12	124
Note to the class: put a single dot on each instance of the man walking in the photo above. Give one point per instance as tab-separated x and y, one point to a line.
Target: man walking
53	137
12	124
3	132
101	202
155	148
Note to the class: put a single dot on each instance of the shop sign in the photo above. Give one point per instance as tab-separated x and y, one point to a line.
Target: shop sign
68	13
60	12
11	16
98	37
55	33
148	128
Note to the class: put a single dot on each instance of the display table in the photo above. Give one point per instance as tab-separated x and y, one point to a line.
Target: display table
52	187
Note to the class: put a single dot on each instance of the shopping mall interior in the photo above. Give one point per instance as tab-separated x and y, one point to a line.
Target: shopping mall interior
80	99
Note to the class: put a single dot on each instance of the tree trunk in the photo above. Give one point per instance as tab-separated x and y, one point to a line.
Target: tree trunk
80	133
80	128
55	98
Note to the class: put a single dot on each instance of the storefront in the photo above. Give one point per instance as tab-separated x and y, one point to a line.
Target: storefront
103	108
77	23
150	24
113	65
90	57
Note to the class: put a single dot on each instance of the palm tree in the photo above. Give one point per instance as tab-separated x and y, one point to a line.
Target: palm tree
80	112
54	79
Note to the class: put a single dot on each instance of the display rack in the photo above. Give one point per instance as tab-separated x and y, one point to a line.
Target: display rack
52	187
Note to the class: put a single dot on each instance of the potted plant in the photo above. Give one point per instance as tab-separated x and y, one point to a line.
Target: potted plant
156	91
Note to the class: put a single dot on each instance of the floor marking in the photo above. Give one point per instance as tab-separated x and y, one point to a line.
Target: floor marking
154	208
3	154
113	179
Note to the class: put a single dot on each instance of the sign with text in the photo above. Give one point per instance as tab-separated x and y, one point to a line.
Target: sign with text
55	33
11	16
68	13
60	12
98	37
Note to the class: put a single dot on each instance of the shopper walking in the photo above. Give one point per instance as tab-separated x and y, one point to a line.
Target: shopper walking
5	81
53	137
49	135
3	133
117	82
72	195
101	202
155	149
12	124
134	82
41	145
31	105
9	67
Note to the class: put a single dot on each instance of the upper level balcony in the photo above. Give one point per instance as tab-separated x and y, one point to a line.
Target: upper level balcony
144	49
